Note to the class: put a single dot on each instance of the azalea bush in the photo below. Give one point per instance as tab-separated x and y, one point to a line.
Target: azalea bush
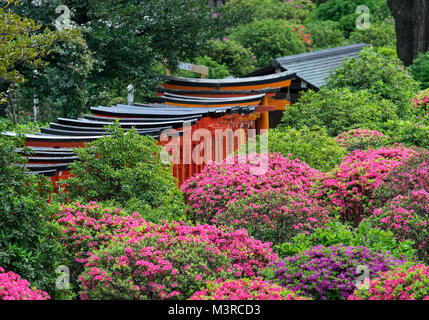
331	273
152	269
407	217
361	139
245	289
125	168
209	193
339	110
348	190
413	175
12	287
171	260
336	233
85	228
420	106
399	284
275	216
408	132
313	146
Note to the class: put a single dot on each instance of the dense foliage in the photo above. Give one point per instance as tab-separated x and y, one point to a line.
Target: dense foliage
26	244
269	39
126	168
383	75
420	69
335	233
339	110
325	34
313	146
379	34
230	53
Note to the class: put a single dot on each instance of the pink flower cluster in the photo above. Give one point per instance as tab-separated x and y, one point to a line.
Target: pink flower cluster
361	139
398	284
408	218
276	216
413	175
12	287
164	261
209	193
133	242
421	104
87	228
348	189
245	289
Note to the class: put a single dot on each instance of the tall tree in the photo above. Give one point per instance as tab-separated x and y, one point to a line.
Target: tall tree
412	27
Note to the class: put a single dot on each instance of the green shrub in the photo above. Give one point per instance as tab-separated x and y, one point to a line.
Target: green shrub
339	110
407	132
325	34
335	10
154	270
313	146
125	169
380	34
337	233
269	39
26	245
296	10
378	74
239	60
420	70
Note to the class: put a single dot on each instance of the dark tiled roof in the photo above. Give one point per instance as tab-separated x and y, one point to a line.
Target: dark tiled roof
315	67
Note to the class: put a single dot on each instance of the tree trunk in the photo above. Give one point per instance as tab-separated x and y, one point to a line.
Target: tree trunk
412	27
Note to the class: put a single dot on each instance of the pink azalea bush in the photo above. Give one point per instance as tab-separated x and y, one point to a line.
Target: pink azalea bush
361	139
407	217
330	273
171	260
420	105
348	189
12	287
412	175
209	193
245	289
397	284
276	215
85	228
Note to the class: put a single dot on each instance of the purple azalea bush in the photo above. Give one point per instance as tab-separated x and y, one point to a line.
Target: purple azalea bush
331	273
